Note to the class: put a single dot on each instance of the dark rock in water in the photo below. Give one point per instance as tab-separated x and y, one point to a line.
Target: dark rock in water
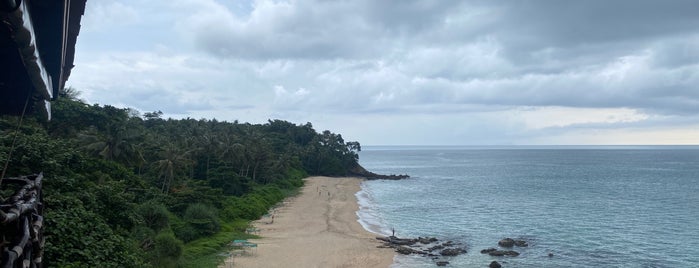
442	263
521	243
500	253
550	255
426	240
401	241
422	246
435	248
494	264
452	251
509	242
506	243
405	250
397	241
486	251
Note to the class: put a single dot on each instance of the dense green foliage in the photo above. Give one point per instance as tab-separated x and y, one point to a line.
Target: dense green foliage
125	190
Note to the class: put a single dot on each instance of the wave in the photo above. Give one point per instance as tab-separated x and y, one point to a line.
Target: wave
368	214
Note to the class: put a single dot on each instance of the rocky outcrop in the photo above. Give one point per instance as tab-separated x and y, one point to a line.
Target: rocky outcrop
509	242
499	253
452	252
506	243
425	246
407	251
488	250
521	243
494	264
360	171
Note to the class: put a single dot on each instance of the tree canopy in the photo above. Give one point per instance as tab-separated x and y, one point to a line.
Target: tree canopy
124	190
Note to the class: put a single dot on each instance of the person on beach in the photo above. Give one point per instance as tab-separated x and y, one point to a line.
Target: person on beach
393	231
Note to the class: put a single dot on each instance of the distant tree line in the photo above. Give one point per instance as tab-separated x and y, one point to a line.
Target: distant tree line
128	190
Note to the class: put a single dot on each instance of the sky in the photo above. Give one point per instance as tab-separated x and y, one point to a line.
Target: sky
405	72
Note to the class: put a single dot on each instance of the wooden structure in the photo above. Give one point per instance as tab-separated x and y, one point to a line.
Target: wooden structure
22	222
37	48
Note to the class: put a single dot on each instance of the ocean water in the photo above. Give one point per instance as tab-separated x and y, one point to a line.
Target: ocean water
588	206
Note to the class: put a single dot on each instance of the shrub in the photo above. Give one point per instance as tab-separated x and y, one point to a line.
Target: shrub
168	250
199	220
154	215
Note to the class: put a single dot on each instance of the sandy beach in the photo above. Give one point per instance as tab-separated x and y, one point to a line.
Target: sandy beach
317	228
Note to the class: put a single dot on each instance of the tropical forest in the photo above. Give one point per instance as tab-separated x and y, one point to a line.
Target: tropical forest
123	188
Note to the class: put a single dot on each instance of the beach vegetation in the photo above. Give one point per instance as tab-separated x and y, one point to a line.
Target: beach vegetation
125	190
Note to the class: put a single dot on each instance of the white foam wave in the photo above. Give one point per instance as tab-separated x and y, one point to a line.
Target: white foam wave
368	215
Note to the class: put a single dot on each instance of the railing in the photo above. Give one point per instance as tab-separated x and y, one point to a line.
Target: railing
21	222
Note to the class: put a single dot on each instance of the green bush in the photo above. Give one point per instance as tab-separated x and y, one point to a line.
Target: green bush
199	220
167	251
154	215
80	238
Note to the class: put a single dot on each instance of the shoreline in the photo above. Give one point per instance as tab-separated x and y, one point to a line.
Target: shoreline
317	228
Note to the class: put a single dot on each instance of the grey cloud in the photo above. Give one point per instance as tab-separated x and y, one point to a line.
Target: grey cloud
145	99
534	25
676	52
399	17
276	30
437	59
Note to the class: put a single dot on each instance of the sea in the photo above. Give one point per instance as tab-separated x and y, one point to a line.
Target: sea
576	206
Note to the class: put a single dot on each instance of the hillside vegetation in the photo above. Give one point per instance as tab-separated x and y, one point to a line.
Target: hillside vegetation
123	189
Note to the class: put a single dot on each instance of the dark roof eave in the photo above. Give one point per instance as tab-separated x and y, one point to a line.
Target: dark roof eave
25	38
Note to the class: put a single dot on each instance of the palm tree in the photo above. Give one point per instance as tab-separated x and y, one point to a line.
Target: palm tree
117	143
173	162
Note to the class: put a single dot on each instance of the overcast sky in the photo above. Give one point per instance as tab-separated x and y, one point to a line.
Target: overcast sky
406	72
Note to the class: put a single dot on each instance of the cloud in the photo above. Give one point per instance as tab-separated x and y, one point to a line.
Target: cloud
488	71
278	29
175	84
547	117
104	16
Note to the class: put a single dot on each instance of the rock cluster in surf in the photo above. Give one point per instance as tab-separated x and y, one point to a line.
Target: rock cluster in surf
506	243
425	246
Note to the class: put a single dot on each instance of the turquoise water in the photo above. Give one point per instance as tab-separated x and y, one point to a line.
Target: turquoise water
589	206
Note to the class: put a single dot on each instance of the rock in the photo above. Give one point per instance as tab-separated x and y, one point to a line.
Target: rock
385	239
442	263
550	255
427	240
500	253
486	251
506	243
452	251
521	243
435	248
405	250
494	264
402	241
362	172
422	246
